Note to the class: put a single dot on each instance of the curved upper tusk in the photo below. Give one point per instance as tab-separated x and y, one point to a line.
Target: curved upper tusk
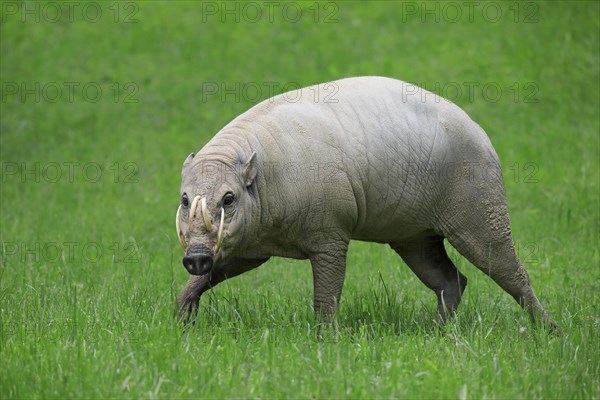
193	209
179	232
220	232
205	216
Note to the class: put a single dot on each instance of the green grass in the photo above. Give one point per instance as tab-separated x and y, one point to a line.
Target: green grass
96	321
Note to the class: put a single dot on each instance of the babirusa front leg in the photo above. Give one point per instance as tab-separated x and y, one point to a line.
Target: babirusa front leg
329	269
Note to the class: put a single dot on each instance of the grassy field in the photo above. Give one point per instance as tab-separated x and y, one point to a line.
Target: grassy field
101	103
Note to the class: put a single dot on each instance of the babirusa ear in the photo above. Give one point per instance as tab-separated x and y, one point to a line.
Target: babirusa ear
187	162
250	170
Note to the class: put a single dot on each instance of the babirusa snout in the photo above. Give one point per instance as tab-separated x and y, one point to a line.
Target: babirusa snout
206	221
197	262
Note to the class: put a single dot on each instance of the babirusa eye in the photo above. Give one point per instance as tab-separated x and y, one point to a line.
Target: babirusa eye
185	201
228	199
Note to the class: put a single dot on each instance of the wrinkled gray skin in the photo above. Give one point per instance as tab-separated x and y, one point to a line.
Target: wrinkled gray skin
368	158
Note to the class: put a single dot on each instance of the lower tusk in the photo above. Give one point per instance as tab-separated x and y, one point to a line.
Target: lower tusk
205	217
220	232
179	233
